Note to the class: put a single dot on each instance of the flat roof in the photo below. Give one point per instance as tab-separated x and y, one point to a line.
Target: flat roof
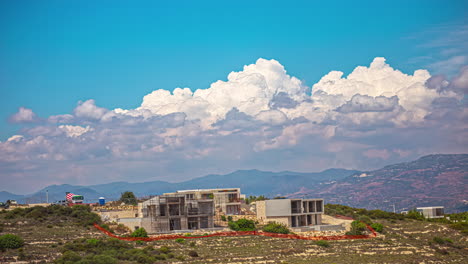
207	190
429	207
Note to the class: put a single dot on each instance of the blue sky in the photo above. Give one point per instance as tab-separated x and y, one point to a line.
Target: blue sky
55	56
55	53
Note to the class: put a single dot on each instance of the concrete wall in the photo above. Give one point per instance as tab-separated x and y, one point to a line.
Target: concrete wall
132	223
114	215
278	219
278	207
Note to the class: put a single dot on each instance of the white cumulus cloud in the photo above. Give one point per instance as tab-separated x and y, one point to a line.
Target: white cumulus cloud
260	117
24	115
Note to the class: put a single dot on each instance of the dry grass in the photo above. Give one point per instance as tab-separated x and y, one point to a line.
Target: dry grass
405	241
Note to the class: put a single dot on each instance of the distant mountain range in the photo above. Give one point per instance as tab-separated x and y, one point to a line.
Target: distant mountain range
251	182
429	181
434	180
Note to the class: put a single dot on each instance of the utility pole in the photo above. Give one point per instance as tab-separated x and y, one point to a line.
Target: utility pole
394	211
47	196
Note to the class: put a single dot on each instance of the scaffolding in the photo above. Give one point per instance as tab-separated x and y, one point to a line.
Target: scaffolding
170	213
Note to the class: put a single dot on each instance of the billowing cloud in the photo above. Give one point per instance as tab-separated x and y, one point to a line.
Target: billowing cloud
24	115
260	117
89	110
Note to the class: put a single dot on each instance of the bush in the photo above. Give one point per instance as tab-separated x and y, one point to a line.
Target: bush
462	226
229	218
223	218
164	250
377	227
322	243
140	232
364	218
279	228
180	240
193	254
242	225
356	228
11	241
413	214
68	256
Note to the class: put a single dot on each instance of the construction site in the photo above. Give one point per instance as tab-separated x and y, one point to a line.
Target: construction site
211	209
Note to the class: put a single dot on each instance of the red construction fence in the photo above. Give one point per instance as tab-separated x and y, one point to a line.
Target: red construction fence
241	233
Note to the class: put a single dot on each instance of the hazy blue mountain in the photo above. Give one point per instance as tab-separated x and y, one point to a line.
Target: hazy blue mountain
10	196
251	182
431	180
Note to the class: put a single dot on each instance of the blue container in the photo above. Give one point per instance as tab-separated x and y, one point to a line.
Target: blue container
102	201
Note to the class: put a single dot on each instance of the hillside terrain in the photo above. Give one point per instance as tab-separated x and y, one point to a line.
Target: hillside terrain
429	181
59	235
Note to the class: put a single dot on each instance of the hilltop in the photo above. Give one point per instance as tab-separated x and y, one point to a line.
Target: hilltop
432	180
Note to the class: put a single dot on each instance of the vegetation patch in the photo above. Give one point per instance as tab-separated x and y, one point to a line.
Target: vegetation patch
110	250
10	241
274	227
242	225
140	232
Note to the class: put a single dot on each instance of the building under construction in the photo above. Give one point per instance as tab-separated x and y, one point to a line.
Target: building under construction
172	212
226	200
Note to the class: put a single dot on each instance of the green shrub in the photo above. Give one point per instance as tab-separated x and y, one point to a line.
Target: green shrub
229	218
11	241
279	228
364	218
164	250
413	214
357	228
93	242
139	242
105	259
223	218
322	243
68	256
140	232
377	227
242	225
462	226
180	240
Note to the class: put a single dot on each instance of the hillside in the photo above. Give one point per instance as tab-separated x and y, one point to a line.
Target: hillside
429	181
58	234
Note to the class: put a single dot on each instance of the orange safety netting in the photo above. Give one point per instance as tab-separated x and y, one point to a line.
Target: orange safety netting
241	233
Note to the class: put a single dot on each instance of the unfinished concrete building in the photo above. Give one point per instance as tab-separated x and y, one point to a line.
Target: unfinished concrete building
291	212
226	200
166	213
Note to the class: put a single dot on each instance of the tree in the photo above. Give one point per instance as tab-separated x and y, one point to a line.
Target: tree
128	198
